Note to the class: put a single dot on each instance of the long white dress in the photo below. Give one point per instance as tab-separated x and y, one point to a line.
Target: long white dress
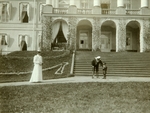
37	70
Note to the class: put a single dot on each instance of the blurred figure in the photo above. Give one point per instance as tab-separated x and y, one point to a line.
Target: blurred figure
104	70
37	70
95	66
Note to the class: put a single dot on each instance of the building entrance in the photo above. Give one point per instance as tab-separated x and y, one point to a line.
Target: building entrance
83	40
105	42
129	41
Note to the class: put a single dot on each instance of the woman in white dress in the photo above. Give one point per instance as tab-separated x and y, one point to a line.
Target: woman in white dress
37	70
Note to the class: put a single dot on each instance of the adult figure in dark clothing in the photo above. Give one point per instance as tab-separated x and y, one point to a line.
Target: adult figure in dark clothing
95	66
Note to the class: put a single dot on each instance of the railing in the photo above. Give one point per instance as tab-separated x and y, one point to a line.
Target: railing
108	11
60	10
84	11
132	12
89	11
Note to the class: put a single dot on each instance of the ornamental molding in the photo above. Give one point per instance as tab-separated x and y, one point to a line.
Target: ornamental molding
88	19
55	19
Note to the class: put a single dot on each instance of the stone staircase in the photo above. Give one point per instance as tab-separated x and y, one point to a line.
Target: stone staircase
119	64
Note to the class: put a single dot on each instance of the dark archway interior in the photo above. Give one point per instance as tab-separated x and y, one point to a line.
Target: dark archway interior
133	28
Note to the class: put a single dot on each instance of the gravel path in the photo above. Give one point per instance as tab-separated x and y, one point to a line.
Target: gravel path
81	79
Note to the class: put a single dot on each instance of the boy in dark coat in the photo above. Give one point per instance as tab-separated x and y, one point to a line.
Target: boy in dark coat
95	66
104	70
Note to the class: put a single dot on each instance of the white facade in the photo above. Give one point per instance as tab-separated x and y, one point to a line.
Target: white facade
21	21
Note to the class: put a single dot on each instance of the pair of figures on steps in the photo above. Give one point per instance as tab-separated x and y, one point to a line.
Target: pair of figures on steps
96	62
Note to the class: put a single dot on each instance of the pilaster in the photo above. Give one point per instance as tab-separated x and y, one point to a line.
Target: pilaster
120	7
47	8
46	33
120	10
96	10
145	36
96	34
121	36
144	11
72	9
72	33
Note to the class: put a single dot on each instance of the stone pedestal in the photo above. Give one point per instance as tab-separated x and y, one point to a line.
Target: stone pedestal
145	11
47	8
96	10
120	10
72	9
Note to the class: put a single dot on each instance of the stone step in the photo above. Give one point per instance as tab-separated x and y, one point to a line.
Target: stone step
119	64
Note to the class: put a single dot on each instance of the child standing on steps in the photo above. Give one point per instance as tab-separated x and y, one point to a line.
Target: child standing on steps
104	70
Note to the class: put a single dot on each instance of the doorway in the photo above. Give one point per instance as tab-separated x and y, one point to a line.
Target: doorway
105	42
129	41
83	40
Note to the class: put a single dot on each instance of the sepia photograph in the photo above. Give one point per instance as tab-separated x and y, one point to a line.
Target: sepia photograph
74	56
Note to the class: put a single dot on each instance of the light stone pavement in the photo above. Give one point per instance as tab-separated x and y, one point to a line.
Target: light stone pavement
80	79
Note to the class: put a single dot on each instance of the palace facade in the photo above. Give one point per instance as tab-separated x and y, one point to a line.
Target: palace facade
95	25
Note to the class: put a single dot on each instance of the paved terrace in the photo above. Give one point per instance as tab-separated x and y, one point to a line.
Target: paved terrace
80	79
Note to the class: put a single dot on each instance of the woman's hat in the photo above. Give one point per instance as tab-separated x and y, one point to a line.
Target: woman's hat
98	57
39	51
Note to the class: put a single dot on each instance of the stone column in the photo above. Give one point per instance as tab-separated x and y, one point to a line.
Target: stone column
72	8
96	3
48	8
121	36
120	7
145	36
46	33
144	3
96	32
56	3
96	9
0	45
144	8
49	2
120	3
72	33
72	3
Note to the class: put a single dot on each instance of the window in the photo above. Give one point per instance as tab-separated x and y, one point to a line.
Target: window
24	12
84	4
4	39
105	5
23	42
127	4
5	11
128	39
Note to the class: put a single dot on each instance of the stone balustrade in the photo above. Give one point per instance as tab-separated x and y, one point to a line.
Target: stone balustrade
84	11
142	11
133	12
108	11
60	10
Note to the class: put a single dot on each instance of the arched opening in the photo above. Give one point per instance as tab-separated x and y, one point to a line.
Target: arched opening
59	35
133	36
108	37
84	35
